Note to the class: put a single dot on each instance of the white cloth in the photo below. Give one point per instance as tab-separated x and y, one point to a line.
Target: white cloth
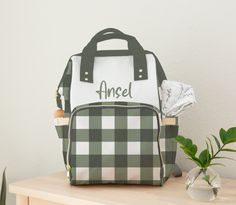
176	97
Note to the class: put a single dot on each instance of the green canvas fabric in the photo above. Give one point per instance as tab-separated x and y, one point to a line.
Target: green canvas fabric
167	133
154	168
169	148
110	147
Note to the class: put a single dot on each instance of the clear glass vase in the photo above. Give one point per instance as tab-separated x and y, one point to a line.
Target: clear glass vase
203	184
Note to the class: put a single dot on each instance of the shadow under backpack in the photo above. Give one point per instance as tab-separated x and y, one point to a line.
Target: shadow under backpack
112	128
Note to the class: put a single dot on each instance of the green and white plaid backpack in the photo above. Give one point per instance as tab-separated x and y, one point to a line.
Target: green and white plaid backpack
112	128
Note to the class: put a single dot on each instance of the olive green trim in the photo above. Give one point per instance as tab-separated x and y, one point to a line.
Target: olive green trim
104	53
88	55
58	95
105	31
160	72
160	77
68	66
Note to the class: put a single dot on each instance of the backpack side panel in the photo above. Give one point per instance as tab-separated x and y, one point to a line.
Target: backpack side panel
63	102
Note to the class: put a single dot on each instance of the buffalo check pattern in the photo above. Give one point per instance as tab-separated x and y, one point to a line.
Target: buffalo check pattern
124	160
168	147
112	144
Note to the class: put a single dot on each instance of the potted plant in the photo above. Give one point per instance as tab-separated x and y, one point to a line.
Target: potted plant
203	182
3	189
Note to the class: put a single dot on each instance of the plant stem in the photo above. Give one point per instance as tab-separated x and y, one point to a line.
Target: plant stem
195	178
203	169
217	152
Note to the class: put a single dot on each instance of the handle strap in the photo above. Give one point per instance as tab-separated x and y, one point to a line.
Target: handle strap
105	31
89	53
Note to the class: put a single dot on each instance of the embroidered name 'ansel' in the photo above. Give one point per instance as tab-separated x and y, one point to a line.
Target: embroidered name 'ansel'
104	92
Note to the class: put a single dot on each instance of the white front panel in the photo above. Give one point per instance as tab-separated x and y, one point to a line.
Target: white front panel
114	81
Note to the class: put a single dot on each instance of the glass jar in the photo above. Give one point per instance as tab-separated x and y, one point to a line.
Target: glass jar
203	184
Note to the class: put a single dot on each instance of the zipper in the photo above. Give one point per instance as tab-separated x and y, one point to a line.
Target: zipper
68	167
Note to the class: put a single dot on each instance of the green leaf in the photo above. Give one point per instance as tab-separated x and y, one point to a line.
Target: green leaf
228	136
232	131
196	160
231	135
180	139
191	150
187	151
194	149
3	189
208	157
186	142
223	135
205	157
206	178
187	145
212	150
228	150
217	141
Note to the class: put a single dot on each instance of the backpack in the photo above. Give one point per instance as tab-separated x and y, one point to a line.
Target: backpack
110	116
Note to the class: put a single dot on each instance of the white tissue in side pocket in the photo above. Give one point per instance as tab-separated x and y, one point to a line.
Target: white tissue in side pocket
176	97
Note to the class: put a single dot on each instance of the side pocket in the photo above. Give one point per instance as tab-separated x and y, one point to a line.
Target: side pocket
62	125
62	131
168	146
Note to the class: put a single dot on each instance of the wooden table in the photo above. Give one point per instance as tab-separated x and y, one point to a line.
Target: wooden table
55	190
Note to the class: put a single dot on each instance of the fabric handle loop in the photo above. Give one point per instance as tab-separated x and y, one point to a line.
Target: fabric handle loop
105	31
89	53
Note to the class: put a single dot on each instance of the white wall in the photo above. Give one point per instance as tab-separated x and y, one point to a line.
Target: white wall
195	42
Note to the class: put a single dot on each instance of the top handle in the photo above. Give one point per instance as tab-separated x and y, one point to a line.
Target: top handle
106	31
89	53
